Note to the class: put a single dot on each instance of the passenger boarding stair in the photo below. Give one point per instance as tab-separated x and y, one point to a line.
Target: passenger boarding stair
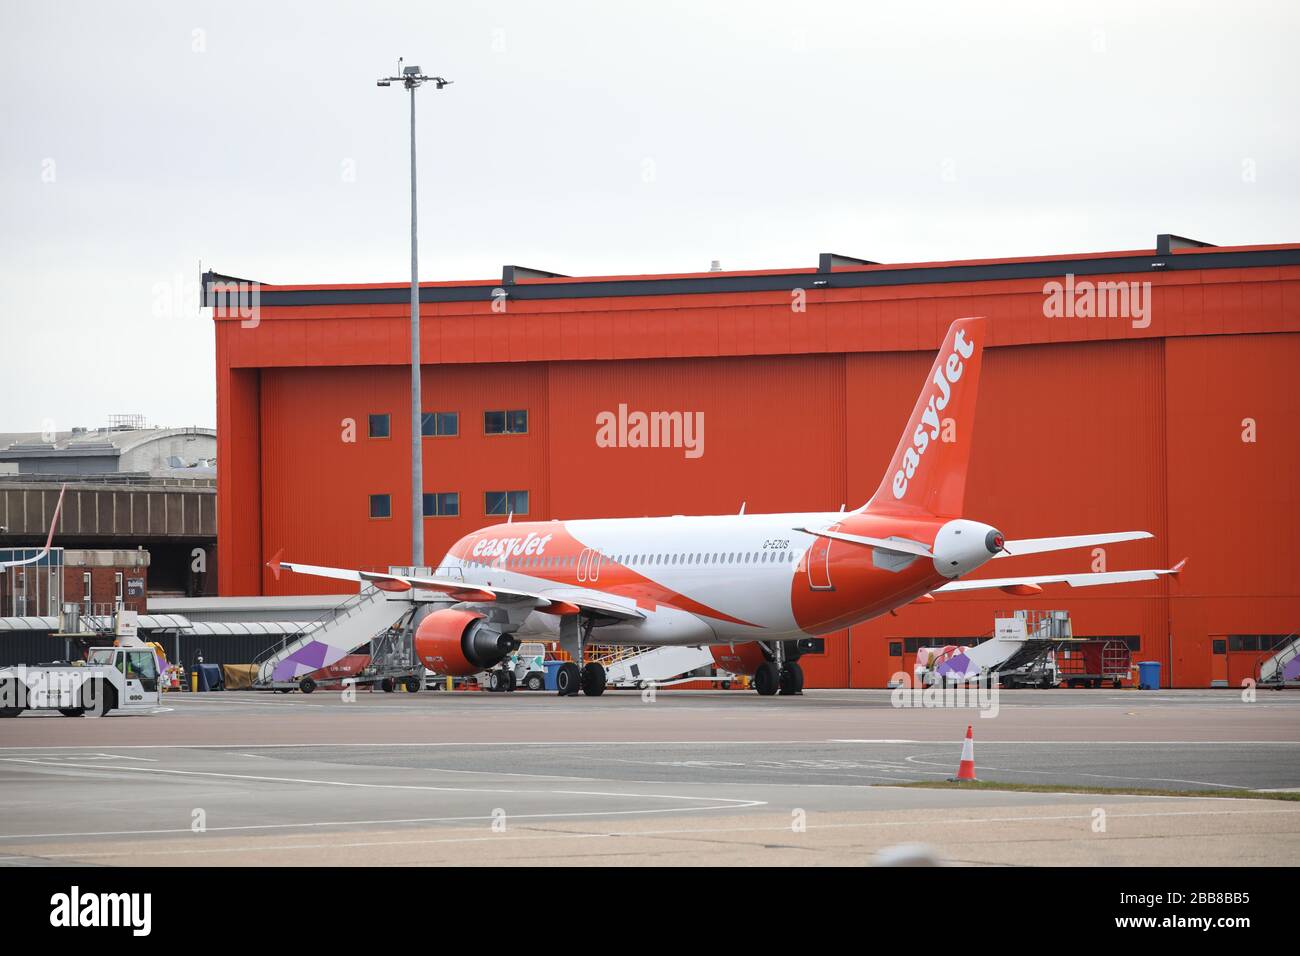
639	666
1022	643
1041	634
1283	668
329	638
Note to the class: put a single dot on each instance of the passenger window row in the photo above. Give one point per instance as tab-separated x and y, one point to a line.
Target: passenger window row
698	559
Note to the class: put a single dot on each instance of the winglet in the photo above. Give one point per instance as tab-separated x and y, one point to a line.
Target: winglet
274	564
1178	567
54	522
49	539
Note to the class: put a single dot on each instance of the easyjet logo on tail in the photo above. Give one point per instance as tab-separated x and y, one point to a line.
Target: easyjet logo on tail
927	431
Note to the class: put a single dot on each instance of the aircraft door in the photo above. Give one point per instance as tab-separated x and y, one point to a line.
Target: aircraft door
819	565
589	565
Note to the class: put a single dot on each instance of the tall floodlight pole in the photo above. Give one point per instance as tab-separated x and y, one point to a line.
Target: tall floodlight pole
411	78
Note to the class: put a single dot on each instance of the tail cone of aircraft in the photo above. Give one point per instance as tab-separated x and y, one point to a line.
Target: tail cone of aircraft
966	769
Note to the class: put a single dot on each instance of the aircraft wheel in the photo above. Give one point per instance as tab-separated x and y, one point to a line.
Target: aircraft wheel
767	679
97	698
791	680
306	685
567	679
72	711
512	682
593	680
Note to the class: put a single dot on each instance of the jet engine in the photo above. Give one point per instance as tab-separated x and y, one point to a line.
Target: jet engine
460	643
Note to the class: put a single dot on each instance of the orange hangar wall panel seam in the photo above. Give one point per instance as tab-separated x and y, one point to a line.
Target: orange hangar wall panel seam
1148	389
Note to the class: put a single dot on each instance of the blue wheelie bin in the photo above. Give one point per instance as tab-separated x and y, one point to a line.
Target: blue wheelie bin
1148	675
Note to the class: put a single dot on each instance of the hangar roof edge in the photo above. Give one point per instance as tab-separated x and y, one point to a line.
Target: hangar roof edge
1172	254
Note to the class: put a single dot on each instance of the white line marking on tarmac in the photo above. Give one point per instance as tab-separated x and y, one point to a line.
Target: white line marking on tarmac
1101	776
641	743
723	803
566	835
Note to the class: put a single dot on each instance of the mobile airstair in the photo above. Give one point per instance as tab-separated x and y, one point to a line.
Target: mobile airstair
331	637
1283	668
1020	651
657	666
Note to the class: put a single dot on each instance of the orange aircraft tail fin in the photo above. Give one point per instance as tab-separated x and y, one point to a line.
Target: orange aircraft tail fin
927	474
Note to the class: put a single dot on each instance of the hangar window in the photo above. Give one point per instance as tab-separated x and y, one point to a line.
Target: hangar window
510	422
1257	642
381	506
441	504
505	502
380	426
440	424
1134	644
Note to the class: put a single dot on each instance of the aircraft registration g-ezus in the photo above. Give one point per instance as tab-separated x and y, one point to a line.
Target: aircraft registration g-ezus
749	586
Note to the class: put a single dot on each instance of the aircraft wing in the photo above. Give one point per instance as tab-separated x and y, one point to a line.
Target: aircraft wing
569	601
1033	583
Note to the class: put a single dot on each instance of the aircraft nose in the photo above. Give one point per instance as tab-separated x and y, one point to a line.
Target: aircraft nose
994	542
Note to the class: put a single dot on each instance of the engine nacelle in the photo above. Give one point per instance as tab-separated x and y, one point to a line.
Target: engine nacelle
739	658
460	643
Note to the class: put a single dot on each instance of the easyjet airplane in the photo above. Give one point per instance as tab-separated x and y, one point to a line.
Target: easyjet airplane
747	585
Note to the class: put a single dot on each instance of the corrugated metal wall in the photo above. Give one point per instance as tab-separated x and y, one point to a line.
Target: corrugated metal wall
1083	425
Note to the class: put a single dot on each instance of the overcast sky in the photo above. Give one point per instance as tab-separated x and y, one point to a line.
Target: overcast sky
591	138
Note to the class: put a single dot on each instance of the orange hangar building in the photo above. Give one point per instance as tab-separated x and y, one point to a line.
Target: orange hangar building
1151	389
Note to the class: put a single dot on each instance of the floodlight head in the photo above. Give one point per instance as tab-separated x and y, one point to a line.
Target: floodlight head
383	83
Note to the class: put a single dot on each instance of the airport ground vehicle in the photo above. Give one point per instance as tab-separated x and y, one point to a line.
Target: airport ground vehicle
123	678
525	667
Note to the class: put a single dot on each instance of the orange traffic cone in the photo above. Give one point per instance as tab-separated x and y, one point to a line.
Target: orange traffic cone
966	769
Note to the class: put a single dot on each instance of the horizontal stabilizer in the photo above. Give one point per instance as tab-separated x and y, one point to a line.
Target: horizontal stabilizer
897	545
1085	580
1014	549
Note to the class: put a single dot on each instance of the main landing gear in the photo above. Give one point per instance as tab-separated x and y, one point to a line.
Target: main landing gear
589	679
570	678
782	674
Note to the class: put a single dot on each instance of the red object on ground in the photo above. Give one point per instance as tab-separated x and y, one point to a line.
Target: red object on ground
966	769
